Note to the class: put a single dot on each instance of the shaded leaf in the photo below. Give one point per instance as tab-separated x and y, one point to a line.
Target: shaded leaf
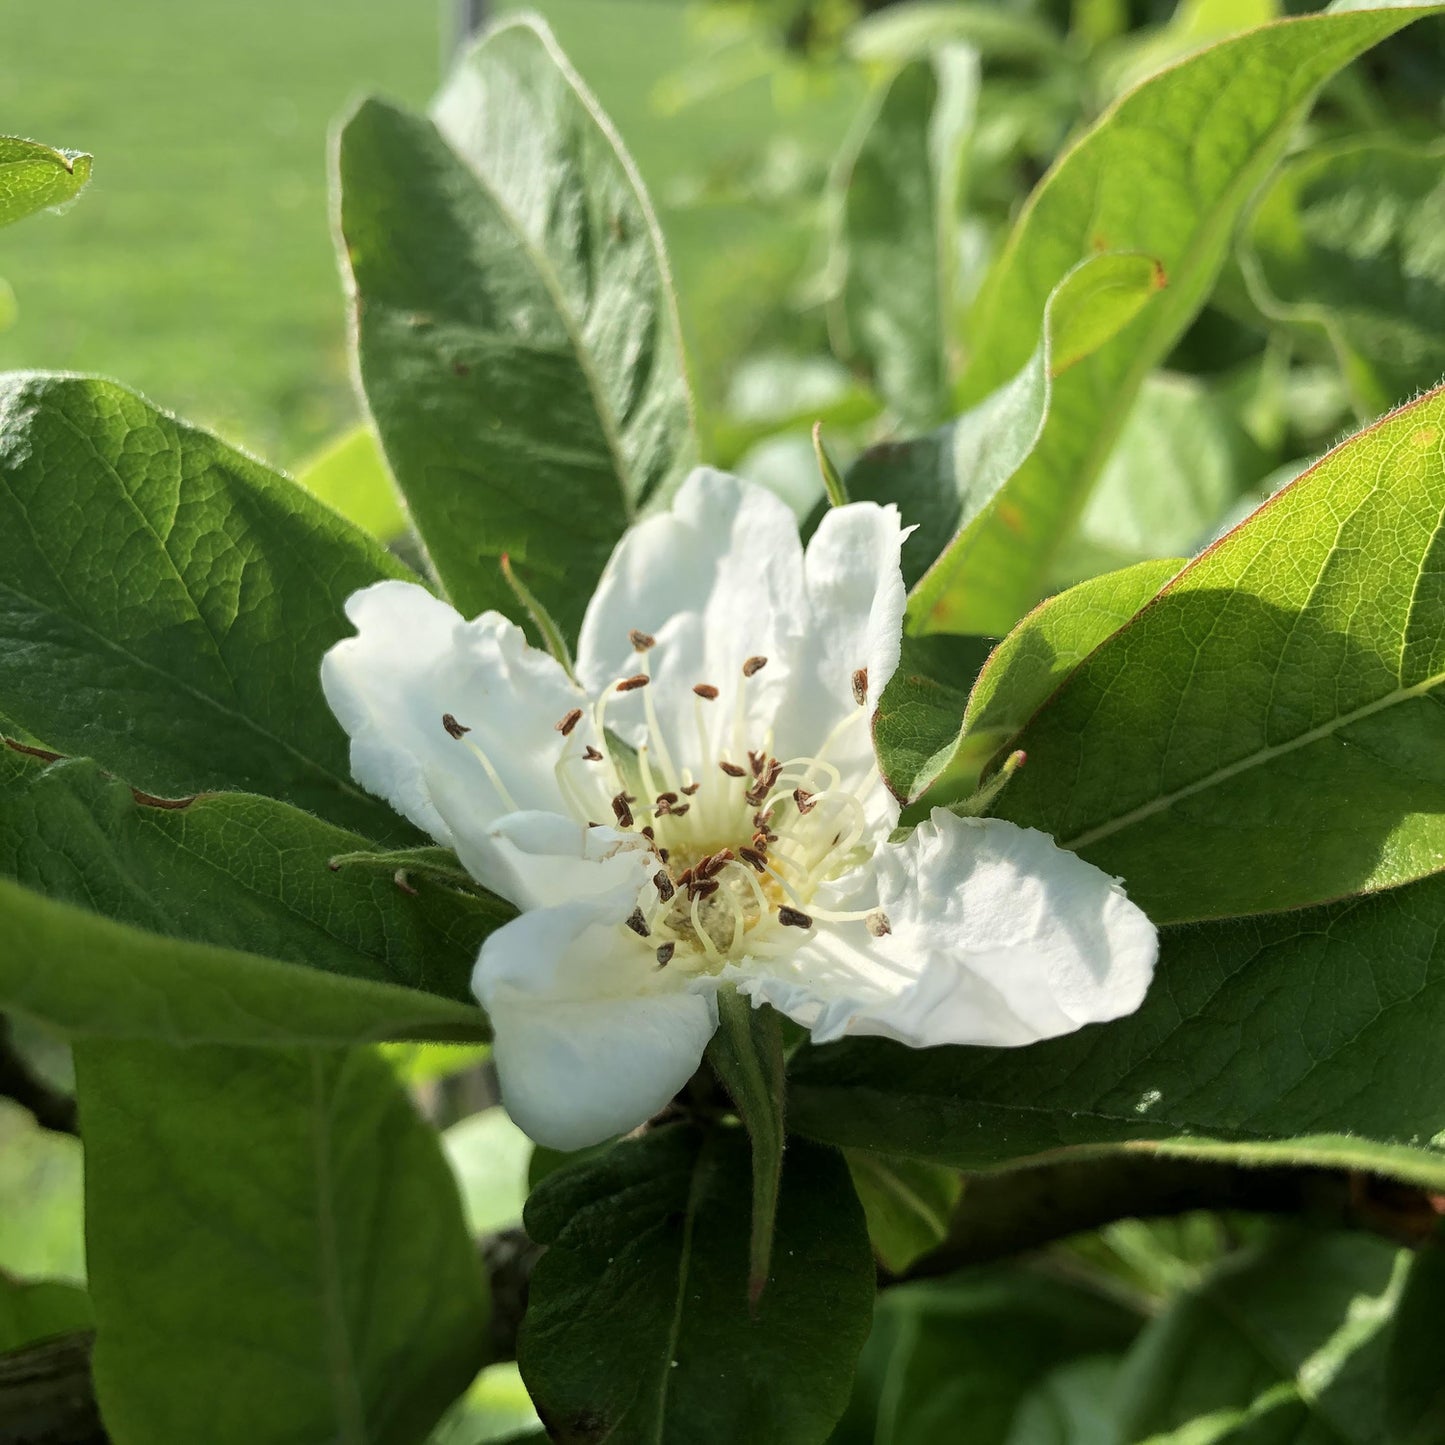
908	1204
232	870
895	245
276	1249
518	340
165	602
32	1310
638	1327
1309	1037
87	976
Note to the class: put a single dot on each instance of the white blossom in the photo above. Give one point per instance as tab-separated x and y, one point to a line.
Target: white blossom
702	809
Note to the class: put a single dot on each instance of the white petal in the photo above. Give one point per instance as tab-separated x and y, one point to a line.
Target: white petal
717	580
998	937
536	860
413	660
592	1037
856	599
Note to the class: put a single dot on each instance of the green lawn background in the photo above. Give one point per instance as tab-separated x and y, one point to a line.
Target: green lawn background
198	266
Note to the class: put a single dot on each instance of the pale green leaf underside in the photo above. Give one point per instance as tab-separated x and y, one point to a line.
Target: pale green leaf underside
1197	140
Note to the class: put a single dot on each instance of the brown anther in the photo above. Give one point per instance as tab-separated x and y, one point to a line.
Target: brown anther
714	864
663	808
732	769
804	799
691	788
664	954
667	797
761	841
569	722
591	754
705	889
756	761
685	878
640	640
754	665
793	918
631	684
453	727
662	853
647	833
860	686
621	811
678	809
877	924
637	923
754	858
705	690
662	881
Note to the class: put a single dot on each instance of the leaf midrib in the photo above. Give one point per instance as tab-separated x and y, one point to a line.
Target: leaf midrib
1244	764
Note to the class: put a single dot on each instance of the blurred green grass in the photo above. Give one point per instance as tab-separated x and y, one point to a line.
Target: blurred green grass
198	266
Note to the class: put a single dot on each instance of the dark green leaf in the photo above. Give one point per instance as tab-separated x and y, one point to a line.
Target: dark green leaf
639	1329
1314	1037
276	1249
85	975
1197	140
916	728
972	1350
519	345
32	1310
165	602
1415	1385
747	1054
896	243
907	1203
232	870
1347	239
1281	1344
949	482
1272	717
34	176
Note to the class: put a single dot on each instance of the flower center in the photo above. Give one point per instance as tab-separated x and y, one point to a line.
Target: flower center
742	843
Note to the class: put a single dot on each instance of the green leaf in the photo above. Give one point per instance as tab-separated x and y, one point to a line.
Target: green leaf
948	482
32	1310
1272	716
351	475
276	1249
34	176
519	344
165	602
917	726
973	1349
1197	140
747	1055
896	197
907	1204
638	1327
1283	1343
1182	462
1309	1037
1050	642
235	871
40	1199
1415	1388
1347	239
88	976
